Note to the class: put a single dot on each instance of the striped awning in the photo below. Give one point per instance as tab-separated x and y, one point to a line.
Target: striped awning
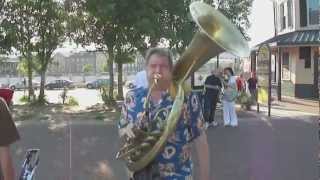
298	38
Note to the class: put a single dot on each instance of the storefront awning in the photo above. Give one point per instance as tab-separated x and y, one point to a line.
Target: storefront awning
296	38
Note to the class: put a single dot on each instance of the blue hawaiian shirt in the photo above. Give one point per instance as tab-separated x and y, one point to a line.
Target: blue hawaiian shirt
174	161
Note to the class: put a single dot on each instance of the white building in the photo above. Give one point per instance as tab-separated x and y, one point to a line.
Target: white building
295	48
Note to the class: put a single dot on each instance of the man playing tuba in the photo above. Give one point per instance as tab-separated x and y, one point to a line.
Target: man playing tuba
173	161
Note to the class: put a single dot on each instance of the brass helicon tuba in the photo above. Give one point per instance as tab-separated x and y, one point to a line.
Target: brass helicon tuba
215	36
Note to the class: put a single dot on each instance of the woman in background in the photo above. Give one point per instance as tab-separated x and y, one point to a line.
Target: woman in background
229	97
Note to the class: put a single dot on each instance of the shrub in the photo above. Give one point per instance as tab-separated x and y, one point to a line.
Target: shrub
24	99
245	100
72	101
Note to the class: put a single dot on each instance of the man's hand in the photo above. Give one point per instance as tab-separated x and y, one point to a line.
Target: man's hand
127	131
6	163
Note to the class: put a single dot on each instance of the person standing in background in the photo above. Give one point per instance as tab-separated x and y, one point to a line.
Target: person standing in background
140	80
212	89
252	86
228	100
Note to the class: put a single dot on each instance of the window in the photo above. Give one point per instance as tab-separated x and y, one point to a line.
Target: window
282	16
289	11
305	54
285	66
314	12
309	12
285	61
303	13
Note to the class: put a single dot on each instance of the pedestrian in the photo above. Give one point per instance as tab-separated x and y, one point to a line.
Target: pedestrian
9	135
228	100
140	79
212	89
252	86
241	84
174	159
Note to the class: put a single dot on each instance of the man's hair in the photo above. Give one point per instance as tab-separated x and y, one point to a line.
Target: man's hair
160	52
230	70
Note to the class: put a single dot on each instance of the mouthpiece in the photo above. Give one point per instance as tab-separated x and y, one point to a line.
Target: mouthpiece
156	77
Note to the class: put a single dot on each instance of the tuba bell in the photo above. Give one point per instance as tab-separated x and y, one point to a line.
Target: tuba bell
216	34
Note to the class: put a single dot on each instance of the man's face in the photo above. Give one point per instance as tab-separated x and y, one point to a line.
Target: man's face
226	72
159	65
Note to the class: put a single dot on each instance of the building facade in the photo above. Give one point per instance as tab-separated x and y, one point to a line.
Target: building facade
8	66
295	48
73	63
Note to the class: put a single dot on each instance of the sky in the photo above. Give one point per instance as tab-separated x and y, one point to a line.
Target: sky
261	20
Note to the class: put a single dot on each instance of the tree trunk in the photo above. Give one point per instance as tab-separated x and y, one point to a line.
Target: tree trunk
110	67
120	88
29	70
84	77
41	98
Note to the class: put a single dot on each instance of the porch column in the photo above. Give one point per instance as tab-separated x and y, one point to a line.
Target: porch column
279	73
316	59
217	61
253	61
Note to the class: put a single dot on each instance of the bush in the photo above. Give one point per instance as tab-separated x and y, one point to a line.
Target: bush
24	99
245	100
72	101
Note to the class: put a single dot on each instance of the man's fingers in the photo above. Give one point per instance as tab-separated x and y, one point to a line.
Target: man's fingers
130	133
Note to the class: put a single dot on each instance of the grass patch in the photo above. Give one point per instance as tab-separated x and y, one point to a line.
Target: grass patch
24	99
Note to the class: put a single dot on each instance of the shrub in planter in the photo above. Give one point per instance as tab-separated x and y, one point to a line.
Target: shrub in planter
245	100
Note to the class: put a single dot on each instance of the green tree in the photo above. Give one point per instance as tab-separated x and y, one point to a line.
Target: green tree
86	69
109	24
22	67
18	27
50	30
104	67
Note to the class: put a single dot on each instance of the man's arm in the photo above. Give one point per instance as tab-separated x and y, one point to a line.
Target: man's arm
202	151
6	163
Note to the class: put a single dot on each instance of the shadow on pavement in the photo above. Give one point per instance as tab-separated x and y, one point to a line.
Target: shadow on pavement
263	149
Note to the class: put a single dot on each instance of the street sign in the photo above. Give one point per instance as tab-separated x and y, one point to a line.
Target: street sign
264	76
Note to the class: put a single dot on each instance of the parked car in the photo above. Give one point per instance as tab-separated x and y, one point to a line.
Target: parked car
59	83
98	83
20	85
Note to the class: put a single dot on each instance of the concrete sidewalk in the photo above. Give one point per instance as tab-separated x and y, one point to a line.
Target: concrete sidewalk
295	104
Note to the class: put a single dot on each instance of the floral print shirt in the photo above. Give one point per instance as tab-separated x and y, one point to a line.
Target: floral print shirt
174	161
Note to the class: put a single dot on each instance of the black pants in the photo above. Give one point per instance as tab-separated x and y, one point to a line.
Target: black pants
210	105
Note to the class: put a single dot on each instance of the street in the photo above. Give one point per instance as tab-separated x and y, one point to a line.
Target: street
283	148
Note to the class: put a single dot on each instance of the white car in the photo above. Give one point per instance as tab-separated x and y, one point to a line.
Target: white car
20	85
